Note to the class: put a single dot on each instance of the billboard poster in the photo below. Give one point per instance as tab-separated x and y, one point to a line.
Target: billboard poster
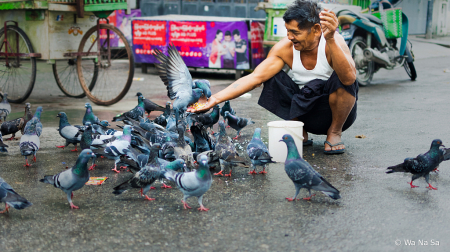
200	43
122	21
257	37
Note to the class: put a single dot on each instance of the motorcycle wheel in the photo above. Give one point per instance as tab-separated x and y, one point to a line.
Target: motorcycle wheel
410	70
364	69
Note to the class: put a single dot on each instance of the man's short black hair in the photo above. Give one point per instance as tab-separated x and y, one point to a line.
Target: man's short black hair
305	12
227	33
236	32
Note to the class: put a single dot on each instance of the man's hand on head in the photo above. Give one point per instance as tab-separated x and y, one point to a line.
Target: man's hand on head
329	23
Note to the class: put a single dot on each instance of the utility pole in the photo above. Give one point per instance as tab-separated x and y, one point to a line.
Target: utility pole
429	19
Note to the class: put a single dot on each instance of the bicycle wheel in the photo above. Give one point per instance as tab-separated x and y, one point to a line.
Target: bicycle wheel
18	76
115	65
66	76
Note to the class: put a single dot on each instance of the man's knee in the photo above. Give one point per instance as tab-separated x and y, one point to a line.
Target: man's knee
341	95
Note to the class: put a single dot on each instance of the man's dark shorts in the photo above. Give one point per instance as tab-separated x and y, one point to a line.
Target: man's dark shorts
283	97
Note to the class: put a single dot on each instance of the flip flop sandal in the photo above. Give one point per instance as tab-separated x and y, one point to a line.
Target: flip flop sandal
308	142
331	152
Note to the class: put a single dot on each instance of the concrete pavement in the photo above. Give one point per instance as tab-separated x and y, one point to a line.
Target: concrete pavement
399	118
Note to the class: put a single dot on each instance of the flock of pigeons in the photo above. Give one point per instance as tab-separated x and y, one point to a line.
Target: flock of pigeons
160	150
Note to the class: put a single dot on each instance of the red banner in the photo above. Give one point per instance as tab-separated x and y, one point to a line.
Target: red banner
149	32
191	34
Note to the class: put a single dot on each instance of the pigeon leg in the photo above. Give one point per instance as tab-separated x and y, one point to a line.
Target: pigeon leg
164	186
238	135
6	209
26	163
92	167
263	171
115	168
11	138
69	198
34	157
253	171
427	178
148	198
141	192
152	188
309	198
229	174
297	190
219	173
60	146
412	186
200	202
75	150
185	205
145	191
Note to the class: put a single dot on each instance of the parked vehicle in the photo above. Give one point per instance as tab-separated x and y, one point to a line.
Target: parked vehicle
370	47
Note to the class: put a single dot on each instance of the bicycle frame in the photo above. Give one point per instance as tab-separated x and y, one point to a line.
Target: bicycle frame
7	45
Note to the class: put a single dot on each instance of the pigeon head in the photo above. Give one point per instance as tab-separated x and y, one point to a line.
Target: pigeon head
138	94
38	112
197	93
204	160
88	105
227	114
27	105
105	123
176	165
437	143
287	138
88	153
156	146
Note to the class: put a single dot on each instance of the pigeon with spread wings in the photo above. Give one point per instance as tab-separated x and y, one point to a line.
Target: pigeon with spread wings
175	75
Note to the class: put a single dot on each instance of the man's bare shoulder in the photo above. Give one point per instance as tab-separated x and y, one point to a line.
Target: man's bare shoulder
282	49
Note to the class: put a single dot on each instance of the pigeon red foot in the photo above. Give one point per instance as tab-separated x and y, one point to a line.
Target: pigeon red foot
60	146
309	198
253	172
72	206
431	187
229	174
185	205
202	208
412	186
26	163
164	186
148	198
219	173
92	167
5	210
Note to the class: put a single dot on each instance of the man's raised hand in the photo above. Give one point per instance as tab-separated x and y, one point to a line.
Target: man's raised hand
329	23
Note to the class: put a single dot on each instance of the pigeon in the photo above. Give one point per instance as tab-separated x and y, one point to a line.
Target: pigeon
5	107
258	152
237	123
167	110
13	126
226	107
134	114
182	149
207	120
29	142
227	151
175	75
71	133
204	85
142	179
89	115
202	140
115	149
37	117
423	164
193	184
161	120
72	179
2	145
11	198
302	173
150	106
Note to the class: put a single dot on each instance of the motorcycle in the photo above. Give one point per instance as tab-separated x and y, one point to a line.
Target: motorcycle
370	48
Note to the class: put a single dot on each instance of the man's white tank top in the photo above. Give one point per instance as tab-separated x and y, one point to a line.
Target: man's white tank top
322	70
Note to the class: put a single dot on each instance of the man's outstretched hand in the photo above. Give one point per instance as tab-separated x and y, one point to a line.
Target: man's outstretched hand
209	104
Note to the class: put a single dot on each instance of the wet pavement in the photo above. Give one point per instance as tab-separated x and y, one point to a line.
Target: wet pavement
398	118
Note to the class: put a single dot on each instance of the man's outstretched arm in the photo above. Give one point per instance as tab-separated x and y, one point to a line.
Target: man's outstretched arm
264	71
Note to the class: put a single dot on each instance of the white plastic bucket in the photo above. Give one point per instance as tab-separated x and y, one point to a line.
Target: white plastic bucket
277	129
